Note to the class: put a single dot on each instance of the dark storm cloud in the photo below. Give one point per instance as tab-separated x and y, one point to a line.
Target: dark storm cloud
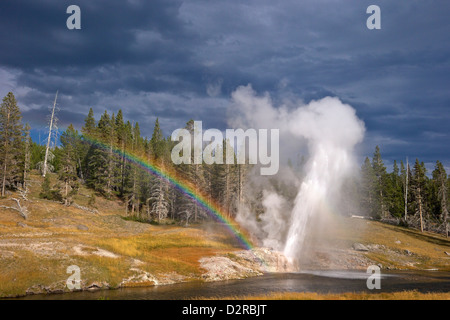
109	31
178	60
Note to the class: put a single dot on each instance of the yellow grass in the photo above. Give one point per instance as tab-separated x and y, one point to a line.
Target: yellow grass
175	251
158	250
403	295
428	249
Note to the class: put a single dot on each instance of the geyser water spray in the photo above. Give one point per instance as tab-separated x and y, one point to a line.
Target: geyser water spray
331	130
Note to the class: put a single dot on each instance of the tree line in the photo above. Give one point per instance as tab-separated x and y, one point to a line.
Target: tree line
97	159
407	193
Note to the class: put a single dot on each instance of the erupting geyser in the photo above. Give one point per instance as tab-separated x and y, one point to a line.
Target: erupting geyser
331	130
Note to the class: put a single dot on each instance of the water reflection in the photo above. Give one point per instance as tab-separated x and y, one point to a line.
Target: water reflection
312	281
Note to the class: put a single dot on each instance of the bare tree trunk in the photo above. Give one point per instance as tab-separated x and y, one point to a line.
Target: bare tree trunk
109	184
227	189
241	173
66	192
44	171
134	190
4	177
419	200
110	162
122	167
26	163
195	212
443	195
81	169
148	209
406	189
5	160
22	210
196	176
383	215
138	209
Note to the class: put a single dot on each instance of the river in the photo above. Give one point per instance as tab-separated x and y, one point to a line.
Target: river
307	281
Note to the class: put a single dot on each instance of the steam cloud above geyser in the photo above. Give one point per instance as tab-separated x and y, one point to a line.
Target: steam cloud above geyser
330	129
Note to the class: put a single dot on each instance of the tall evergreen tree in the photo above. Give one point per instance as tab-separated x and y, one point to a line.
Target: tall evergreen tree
160	206
368	195
121	141
100	157
395	192
89	128
10	142
157	141
67	172
440	179
419	181
27	154
406	180
380	173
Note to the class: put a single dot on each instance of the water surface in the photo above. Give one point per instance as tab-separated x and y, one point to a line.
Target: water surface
306	281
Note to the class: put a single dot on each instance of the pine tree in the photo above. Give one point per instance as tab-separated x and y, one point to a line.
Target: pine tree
100	158
406	180
380	173
10	142
47	192
157	141
419	180
160	206
224	180
121	141
37	154
88	148
45	188
27	155
71	138
89	128
440	180
127	182
136	149
395	192
368	195
68	167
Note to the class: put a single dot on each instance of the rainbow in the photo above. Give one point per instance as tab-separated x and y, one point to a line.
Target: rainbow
213	209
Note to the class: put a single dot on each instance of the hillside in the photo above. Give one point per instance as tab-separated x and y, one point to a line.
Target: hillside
113	252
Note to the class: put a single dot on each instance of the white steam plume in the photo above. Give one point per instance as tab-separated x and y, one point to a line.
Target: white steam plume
331	130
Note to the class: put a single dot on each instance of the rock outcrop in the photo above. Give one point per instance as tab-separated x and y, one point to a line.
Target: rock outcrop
244	264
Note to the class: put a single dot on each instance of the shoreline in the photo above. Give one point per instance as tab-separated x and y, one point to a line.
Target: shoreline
237	265
429	277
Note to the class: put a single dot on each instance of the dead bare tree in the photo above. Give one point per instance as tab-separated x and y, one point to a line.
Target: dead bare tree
23	211
23	192
84	208
406	189
52	124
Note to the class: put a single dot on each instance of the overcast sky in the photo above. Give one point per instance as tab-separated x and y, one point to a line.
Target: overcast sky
178	60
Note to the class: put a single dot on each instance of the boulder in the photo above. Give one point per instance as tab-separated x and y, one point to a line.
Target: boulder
359	247
407	252
82	227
